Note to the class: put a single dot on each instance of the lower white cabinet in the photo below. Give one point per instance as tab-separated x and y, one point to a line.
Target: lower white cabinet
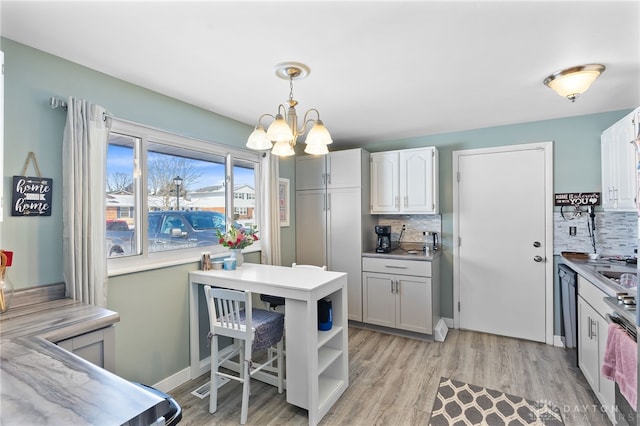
97	347
592	341
400	294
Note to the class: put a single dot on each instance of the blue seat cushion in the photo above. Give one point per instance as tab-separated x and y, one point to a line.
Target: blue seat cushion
268	326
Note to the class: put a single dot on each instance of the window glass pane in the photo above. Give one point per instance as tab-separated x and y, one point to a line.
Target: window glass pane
244	200
121	203
186	197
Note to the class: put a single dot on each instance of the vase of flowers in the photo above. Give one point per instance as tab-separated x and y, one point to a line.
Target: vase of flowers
237	239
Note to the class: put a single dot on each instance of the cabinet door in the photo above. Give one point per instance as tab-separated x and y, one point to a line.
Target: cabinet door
344	245
379	299
417	186
619	166
310	172
588	344
344	168
385	185
606	158
413	304
97	347
311	234
625	163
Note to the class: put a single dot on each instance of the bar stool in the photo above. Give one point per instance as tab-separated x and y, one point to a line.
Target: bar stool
231	314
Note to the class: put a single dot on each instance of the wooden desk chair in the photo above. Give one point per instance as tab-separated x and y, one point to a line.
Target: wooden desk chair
231	314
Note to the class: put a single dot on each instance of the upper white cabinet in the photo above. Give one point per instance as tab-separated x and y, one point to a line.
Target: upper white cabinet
405	181
619	164
338	169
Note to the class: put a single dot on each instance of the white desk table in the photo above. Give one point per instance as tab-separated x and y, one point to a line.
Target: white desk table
316	361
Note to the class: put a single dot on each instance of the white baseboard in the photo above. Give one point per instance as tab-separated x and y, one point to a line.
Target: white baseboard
173	381
557	341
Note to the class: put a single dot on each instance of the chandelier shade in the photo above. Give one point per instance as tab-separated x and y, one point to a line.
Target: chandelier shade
258	139
574	81
283	149
282	134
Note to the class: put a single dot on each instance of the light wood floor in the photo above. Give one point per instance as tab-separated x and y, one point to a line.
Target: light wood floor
393	381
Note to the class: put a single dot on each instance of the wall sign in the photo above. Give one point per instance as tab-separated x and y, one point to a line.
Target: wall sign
577	199
31	194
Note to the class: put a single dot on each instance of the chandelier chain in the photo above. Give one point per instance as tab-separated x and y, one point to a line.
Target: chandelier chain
290	87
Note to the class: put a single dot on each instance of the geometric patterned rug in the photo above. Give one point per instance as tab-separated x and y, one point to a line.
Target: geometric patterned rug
459	403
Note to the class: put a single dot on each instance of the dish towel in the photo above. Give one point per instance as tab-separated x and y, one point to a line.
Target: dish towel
620	362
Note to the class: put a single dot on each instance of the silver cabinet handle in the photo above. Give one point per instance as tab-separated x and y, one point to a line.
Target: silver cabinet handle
537	259
589	327
395	267
592	330
391	286
536	244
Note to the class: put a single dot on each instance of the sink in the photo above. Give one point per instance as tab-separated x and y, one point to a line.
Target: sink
612	275
629	281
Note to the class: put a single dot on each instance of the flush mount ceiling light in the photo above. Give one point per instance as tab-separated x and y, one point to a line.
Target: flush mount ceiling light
282	134
574	81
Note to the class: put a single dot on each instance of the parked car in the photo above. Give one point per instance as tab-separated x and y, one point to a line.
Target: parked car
169	230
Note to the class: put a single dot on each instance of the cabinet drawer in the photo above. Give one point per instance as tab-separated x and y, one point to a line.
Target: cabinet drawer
593	296
395	266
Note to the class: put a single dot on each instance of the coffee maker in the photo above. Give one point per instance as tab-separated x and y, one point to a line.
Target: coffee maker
384	238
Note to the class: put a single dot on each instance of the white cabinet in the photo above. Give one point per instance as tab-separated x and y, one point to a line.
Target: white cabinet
332	193
97	347
401	294
592	340
338	169
405	181
619	164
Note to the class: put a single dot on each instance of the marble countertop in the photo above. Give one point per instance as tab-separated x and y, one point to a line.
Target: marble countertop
589	270
45	384
406	251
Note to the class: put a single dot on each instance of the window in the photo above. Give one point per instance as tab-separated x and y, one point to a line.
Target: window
167	195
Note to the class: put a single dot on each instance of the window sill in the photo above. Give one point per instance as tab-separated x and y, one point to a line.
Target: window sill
134	264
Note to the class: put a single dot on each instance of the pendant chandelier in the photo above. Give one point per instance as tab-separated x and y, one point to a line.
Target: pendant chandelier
574	81
282	134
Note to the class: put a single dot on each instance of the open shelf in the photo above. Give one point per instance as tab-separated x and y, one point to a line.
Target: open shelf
325	336
327	388
326	356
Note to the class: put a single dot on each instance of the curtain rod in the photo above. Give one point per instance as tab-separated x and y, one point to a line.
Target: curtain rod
55	103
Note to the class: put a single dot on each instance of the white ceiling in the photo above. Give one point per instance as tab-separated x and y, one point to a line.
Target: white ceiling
379	70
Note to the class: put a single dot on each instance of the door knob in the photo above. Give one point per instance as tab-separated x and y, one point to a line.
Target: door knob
537	258
536	244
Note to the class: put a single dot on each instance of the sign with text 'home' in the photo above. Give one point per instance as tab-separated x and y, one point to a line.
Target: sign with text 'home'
577	199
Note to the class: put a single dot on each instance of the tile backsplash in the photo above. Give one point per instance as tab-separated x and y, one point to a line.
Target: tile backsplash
416	225
616	233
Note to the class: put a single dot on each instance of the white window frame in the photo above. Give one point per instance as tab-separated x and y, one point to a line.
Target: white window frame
154	260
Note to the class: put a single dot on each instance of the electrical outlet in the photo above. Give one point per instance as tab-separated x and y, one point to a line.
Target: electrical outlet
572	231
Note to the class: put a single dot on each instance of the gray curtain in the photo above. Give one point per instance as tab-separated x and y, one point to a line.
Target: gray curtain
269	229
84	153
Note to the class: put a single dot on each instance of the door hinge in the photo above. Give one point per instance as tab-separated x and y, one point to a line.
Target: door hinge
458	306
459	241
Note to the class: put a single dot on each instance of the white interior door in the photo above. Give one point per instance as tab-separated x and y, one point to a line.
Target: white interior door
503	260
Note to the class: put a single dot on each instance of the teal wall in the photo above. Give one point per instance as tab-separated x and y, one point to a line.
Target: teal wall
152	337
